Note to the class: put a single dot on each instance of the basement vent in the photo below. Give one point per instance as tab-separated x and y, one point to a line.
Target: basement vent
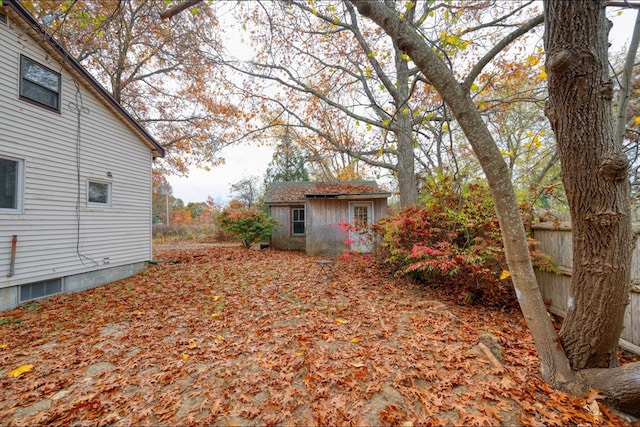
3	18
40	289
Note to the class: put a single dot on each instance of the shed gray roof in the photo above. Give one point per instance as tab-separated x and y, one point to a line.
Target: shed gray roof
288	192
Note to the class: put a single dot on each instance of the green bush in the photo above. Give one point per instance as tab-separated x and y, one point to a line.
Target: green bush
247	225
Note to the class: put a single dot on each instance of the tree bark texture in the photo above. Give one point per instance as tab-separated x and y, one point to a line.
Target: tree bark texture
554	365
595	178
405	170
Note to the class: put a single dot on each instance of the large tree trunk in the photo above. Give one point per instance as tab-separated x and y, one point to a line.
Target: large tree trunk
595	178
554	365
609	215
405	168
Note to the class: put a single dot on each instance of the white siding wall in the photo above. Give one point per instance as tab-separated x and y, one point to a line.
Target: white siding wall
46	140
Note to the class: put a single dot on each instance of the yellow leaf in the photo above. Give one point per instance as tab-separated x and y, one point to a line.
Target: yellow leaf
216	297
193	345
20	370
636	121
299	353
3	346
505	275
354	340
340	321
536	141
184	356
474	87
532	60
220	338
217	316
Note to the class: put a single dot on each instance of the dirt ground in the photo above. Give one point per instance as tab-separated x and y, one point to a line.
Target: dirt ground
229	336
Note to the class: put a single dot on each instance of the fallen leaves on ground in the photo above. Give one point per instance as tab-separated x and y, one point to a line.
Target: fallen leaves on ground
231	336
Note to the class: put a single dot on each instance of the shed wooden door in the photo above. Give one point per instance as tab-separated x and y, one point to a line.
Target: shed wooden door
361	214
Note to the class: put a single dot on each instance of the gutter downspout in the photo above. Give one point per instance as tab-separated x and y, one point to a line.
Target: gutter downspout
12	264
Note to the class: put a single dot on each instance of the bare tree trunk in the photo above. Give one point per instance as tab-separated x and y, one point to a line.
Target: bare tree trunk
405	167
594	173
554	365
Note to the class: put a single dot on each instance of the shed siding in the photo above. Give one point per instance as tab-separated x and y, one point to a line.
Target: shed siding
324	236
281	237
47	229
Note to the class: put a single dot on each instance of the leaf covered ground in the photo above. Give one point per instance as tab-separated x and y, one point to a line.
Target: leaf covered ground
231	336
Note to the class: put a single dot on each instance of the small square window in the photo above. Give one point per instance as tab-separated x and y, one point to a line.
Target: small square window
39	84
11	172
99	193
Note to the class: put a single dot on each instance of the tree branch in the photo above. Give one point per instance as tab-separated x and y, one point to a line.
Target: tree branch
499	47
179	7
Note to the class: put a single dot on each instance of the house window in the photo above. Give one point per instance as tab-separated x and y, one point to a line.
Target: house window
99	193
39	84
11	185
40	289
297	221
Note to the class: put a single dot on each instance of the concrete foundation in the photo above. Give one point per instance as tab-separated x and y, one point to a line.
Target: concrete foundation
9	297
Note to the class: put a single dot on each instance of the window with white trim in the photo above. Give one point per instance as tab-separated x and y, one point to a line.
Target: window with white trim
98	193
11	185
297	221
39	84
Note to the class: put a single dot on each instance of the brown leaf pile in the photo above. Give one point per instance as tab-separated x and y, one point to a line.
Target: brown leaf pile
231	336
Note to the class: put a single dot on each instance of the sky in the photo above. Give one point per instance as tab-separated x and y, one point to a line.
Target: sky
240	162
248	161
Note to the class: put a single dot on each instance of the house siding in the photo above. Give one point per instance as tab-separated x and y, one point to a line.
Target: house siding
47	228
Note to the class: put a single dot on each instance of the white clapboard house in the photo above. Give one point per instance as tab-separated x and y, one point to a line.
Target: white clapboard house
75	171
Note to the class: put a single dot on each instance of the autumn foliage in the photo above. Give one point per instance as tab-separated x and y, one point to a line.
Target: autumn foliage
452	241
228	336
249	226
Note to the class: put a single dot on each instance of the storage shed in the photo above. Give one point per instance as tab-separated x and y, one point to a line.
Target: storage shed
311	215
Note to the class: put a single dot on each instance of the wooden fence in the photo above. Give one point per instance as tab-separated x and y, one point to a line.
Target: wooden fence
555	240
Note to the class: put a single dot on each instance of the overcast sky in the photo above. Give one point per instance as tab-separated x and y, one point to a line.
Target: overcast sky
245	161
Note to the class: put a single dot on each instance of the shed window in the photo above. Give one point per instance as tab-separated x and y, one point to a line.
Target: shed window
99	193
10	185
39	84
297	221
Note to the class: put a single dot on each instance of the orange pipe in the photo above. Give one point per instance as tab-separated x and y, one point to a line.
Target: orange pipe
14	244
